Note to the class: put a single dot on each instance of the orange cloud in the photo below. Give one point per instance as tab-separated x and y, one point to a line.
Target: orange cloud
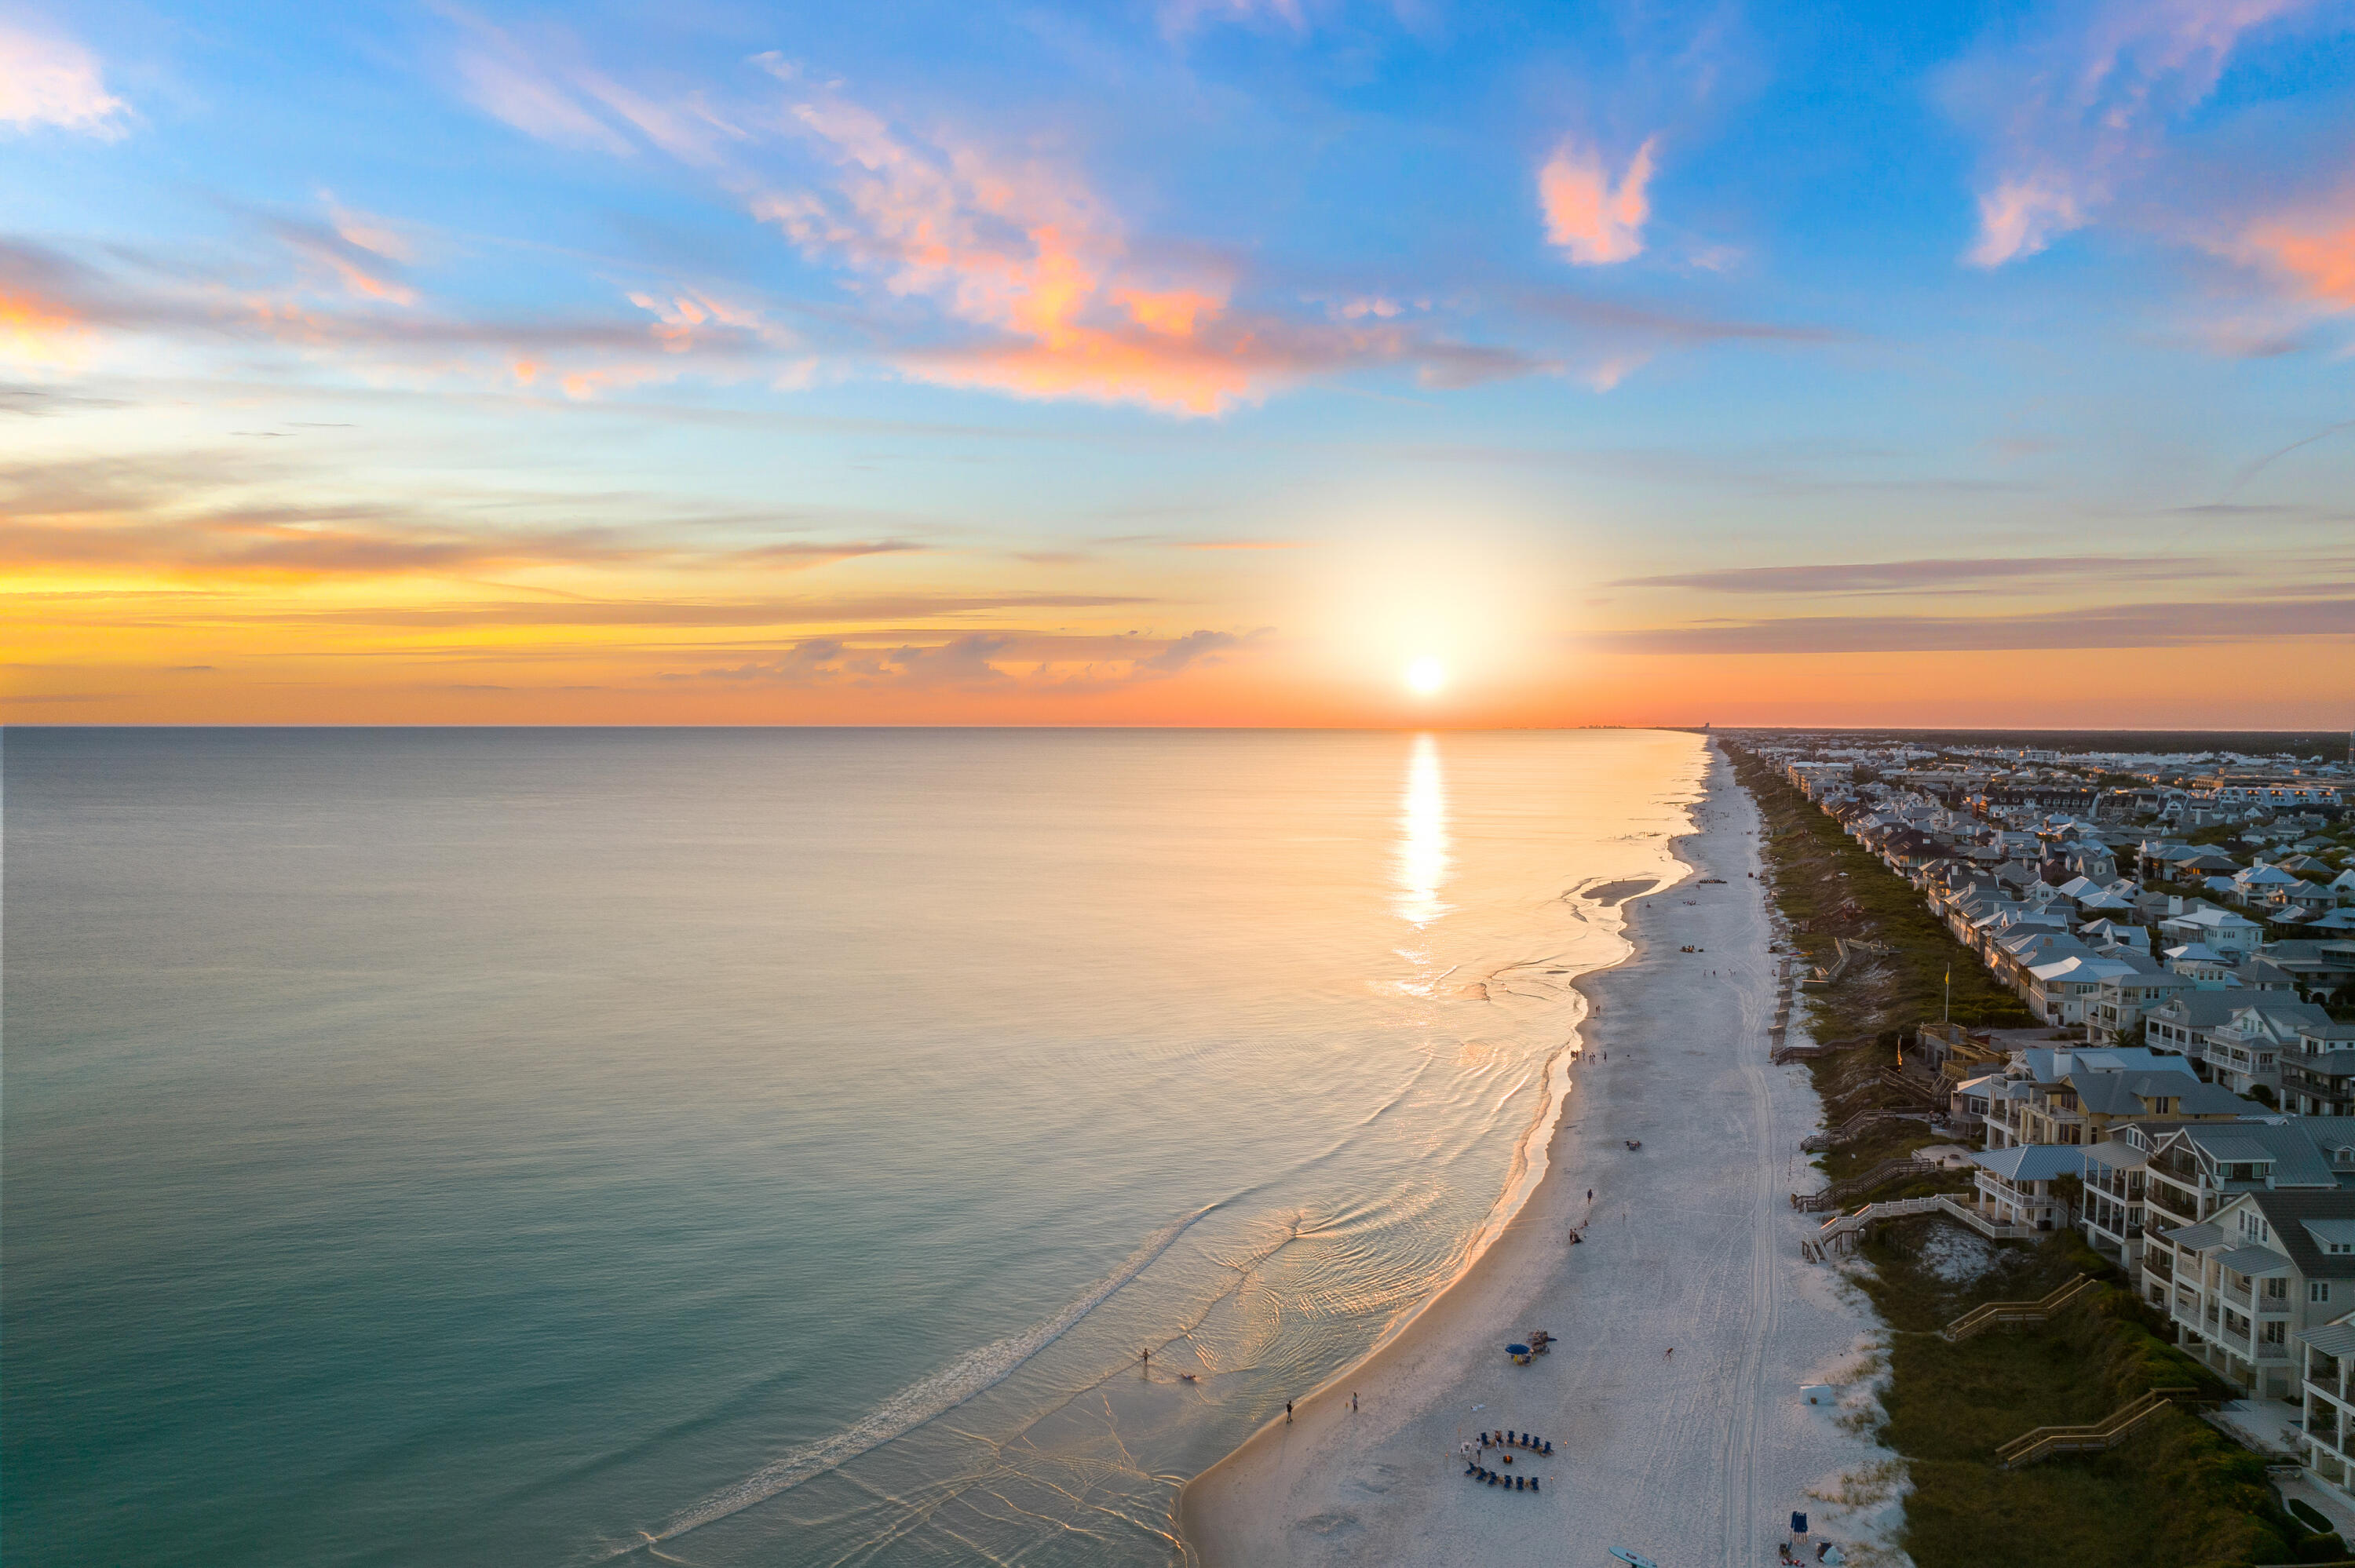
1027	252
2318	256
1596	221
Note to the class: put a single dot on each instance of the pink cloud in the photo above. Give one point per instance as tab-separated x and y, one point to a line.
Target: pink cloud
2021	215
48	80
1596	221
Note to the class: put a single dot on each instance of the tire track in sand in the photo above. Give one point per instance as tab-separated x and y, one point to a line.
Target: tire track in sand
1740	1476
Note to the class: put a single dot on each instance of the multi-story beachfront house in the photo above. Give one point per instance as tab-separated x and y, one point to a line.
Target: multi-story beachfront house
2244	1283
2192	1169
2120	1003
2326	1355
2111	1214
2244	1053
2185	1020
2077	1097
2236	935
2018	1186
2318	1076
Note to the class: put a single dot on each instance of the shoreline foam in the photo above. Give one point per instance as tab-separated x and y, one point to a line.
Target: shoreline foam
1336	1485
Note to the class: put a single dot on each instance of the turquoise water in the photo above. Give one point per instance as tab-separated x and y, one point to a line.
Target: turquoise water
506	1147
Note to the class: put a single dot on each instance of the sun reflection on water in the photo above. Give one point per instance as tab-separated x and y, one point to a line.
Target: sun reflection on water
1423	835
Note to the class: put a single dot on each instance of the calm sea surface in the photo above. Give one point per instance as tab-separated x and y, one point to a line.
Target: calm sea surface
503	1146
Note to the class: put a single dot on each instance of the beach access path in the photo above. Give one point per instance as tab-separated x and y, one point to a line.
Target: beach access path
1694	1460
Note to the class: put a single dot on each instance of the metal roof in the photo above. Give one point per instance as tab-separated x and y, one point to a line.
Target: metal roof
2254	1260
2332	1339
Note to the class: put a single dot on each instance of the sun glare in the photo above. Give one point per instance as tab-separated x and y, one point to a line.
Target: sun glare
1425	676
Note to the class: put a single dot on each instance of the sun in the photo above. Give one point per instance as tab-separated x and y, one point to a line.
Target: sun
1425	675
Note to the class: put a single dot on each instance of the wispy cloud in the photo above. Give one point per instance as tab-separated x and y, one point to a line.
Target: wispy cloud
1593	219
2173	625
2076	108
1032	284
1931	576
53	305
47	81
1061	665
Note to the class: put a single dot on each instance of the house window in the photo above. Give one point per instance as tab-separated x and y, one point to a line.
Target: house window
2317	1290
2276	1288
2275	1333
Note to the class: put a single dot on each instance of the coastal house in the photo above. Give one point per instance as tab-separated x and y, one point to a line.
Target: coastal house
2186	1021
2251	1280
2111	1211
2325	1359
2062	991
2234	934
2317	969
2245	1052
2194	1169
2018	1186
2074	1097
2120	1002
2319	1077
2199	962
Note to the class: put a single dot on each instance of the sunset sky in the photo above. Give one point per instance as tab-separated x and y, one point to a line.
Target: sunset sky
1200	362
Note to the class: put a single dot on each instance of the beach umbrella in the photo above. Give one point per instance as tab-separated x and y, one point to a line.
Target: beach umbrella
1517	1349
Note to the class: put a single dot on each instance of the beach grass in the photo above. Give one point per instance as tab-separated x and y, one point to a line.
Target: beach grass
2178	1492
1829	885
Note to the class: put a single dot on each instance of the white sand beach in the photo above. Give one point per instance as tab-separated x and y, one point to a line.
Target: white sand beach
1691	1245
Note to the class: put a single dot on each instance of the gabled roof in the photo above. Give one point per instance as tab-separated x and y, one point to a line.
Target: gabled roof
2289	1143
2129	1094
2201	1009
2290	1214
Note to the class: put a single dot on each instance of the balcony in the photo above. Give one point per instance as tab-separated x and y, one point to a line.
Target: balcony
2239	1293
2273	1306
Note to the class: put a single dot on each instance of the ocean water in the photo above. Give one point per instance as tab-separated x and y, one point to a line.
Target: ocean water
750	1147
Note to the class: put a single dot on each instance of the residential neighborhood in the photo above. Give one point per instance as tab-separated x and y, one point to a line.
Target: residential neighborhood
2183	927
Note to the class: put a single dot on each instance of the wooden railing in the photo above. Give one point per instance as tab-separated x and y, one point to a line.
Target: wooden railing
1981	1319
2101	1437
1880	1175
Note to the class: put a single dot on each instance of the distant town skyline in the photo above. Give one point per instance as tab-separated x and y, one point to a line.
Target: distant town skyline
1203	362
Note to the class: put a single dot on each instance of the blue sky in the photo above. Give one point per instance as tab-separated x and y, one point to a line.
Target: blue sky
1182	363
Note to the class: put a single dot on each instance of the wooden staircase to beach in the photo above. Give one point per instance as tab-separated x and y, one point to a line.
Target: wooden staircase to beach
1871	1116
1880	1175
1818	1248
2099	1437
1979	1319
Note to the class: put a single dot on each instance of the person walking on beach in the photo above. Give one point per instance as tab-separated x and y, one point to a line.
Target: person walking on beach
1287	1413
1353	1404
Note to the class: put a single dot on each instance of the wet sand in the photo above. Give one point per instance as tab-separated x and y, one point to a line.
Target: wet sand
1691	1244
